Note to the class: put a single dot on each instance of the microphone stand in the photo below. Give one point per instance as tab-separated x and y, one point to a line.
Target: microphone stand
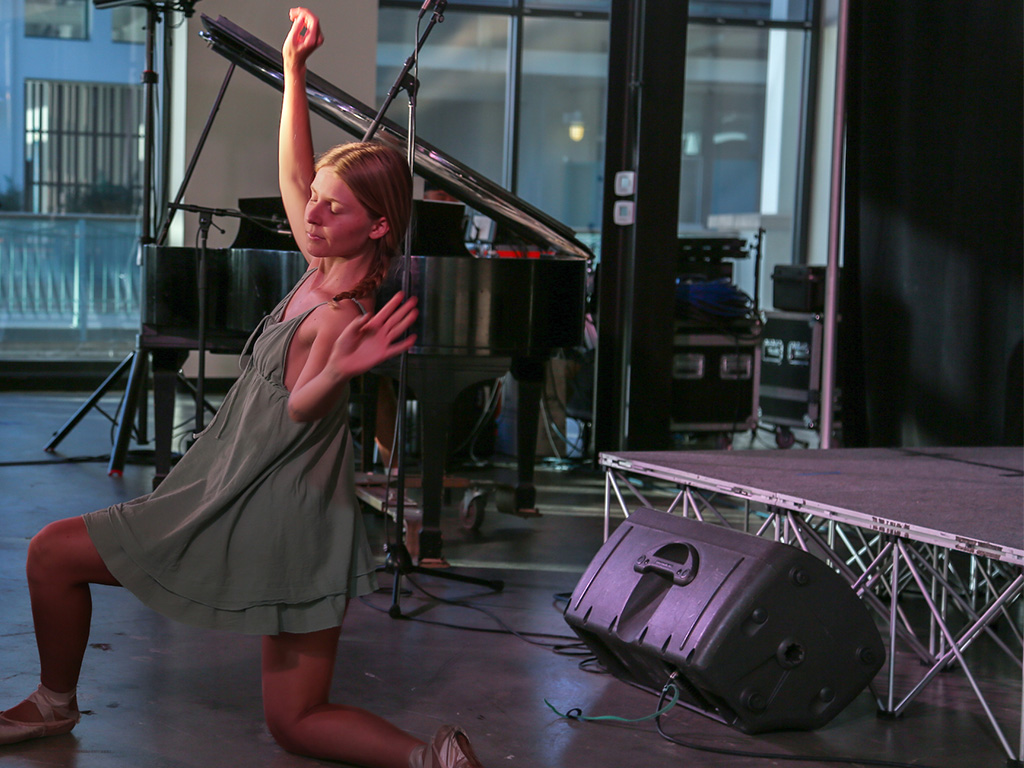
398	560
406	81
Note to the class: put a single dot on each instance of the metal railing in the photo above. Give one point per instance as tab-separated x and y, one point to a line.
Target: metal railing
67	280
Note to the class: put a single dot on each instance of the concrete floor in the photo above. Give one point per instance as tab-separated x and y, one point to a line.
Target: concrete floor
162	695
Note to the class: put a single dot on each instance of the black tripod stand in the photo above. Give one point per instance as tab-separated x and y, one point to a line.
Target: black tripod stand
398	561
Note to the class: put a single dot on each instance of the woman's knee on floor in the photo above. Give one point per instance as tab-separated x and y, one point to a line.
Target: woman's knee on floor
296	672
284	727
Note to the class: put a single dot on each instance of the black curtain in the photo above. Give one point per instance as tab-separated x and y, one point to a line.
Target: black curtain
930	340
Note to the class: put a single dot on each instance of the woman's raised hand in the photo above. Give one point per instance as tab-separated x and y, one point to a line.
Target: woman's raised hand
369	340
303	38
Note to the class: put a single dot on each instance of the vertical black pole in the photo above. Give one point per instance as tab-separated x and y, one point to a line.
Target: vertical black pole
646	76
149	79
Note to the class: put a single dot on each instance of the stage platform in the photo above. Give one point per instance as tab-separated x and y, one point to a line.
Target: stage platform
942	524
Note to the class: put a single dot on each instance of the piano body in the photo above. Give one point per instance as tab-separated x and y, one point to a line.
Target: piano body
479	316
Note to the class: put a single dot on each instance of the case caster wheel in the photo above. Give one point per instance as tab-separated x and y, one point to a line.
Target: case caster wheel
471	510
784	437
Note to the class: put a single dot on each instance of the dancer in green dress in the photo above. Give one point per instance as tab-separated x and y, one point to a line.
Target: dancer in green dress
257	528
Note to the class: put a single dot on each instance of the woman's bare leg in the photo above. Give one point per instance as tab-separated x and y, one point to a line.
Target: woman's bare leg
62	562
297	671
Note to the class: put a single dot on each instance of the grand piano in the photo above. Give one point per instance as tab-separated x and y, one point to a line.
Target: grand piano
480	316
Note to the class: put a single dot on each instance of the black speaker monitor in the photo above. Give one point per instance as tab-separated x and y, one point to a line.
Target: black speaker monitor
763	636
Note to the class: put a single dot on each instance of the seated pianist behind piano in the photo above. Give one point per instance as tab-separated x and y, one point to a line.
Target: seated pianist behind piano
257	529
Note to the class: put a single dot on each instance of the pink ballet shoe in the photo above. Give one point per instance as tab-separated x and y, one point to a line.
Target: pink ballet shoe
13	731
450	748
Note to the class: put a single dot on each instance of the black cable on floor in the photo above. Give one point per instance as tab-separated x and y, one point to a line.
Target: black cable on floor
572	646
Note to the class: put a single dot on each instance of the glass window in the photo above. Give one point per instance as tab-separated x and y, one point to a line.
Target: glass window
66	19
526	89
83	147
128	25
741	115
561	118
71	168
418	4
584	6
745	10
464	104
463	71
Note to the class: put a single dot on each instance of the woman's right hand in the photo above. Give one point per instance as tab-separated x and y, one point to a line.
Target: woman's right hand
303	38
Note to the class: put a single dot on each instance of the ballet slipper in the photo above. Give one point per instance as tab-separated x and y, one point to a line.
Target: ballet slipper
450	748
54	722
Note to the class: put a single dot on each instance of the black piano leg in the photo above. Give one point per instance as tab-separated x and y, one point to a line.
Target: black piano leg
166	363
368	418
529	375
435	418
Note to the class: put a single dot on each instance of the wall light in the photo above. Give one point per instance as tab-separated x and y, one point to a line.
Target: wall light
575	122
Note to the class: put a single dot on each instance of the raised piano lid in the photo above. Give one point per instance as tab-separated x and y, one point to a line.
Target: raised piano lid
478	192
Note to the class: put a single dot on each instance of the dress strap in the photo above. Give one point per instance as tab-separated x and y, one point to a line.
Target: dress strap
246	354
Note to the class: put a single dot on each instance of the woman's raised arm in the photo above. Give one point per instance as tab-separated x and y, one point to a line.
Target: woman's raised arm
295	141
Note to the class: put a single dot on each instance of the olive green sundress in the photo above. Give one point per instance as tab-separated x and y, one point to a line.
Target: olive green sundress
257	528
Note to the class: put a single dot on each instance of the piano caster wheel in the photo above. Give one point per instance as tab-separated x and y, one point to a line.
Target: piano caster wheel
472	508
520	501
784	437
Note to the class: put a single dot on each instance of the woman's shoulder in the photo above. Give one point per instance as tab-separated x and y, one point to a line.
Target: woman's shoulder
335	315
322	324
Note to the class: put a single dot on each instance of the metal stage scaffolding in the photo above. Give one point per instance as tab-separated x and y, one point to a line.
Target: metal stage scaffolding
943	524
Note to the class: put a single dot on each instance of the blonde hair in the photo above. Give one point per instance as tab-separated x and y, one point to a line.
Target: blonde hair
379	178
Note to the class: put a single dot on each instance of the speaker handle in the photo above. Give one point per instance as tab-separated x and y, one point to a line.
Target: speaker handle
678	562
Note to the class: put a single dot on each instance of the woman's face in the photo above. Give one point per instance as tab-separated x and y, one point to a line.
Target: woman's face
337	224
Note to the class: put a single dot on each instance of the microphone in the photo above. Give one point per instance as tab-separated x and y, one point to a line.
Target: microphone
425	8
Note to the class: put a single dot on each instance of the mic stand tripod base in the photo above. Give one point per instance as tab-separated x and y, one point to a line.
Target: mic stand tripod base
399	563
71	423
401	559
